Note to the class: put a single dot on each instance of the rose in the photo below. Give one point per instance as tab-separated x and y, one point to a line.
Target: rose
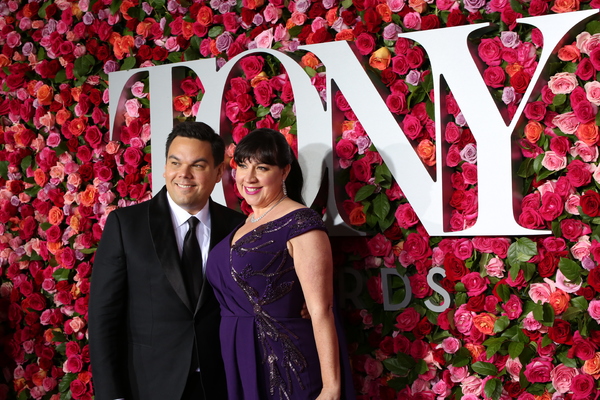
562	376
484	323
406	216
408	319
379	245
380	59
578	173
490	51
263	93
474	283
455	267
533	131
417	246
520	81
582	386
552	206
588	132
592	366
252	65
590	203
345	149
365	43
538	370
513	307
560	332
463	319
373	367
450	345
563	83
426	152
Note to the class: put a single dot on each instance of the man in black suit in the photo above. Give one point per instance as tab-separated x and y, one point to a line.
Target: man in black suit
149	336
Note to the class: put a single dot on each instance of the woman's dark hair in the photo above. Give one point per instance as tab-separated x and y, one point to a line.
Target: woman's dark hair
270	147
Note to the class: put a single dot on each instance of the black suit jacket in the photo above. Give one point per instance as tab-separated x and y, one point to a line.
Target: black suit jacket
142	326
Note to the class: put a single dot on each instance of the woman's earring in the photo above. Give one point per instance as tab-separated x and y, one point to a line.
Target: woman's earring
284	189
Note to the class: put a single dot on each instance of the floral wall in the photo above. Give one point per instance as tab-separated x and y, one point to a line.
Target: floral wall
525	311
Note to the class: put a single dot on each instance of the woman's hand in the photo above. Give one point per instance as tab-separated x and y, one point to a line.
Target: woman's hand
329	394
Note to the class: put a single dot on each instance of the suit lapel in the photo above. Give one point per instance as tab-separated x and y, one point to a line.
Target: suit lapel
163	237
218	231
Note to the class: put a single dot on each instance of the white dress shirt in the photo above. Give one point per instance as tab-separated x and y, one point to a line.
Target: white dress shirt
179	217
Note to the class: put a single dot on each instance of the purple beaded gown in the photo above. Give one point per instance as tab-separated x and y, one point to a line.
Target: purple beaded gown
268	349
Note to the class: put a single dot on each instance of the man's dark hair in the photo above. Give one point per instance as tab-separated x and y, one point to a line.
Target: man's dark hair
200	131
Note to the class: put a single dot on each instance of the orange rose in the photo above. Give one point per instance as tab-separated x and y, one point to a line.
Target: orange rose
4	61
417	5
426	151
587	133
38	377
213	48
28	13
562	6
75	92
78	125
54	247
55	216
533	131
592	366
545	396
62	116
380	59
484	323
85	377
513	68
475	349
253	4
258	79
40	177
44	95
357	216
122	46
75	222
143	28
384	11
88	196
75	291
204	16
182	103
310	60
125	6
569	53
345	34
289	24
187	29
559	300
331	16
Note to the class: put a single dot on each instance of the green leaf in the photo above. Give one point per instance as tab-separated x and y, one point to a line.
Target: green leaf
501	324
570	269
494	344
485	368
4	169
88	251
569	362
421	367
65	381
537	389
216	31
310	72
381	206
364	192
493	389
515	349
128	63
580	302
503	291
538	313
262	111
83	66
61	274
461	358
382	174
593	27
559	99
548	314
175	57
521	250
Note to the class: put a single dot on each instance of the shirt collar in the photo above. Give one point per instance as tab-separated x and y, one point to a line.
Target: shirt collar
180	216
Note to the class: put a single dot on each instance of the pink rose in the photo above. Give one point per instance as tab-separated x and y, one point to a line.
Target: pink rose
582	385
530	323
585	152
379	245
345	149
494	77
552	206
474	283
538	370
513	367
495	267
513	307
563	83
406	216
594	310
407	320
581	249
540	292
412	20
554	162
562	376
451	345
74	364
472	385
463	319
592	92
566	122
365	43
264	40
417	246
578	173
490	51
411	126
133	156
373	367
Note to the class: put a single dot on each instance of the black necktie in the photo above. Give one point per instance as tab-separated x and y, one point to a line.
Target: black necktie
191	261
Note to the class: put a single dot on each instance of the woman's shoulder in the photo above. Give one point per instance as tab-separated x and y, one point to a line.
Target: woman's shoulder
303	219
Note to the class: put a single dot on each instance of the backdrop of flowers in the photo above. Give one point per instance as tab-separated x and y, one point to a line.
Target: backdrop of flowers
524	320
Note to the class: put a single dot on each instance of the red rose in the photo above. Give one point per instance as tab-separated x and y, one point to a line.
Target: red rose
365	43
430	21
494	76
456	18
396	103
407	320
361	170
585	70
423	328
560	332
78	388
133	156
252	66
455	267
417	247
578	173
584	111
536	110
379	245
411	126
590	203
520	81
582	386
159	53
415	57
263	93
37	301
400	64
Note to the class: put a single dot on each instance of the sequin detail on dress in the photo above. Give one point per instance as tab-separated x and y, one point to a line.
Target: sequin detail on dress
287	361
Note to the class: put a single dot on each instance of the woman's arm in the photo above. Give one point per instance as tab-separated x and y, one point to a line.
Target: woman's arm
312	259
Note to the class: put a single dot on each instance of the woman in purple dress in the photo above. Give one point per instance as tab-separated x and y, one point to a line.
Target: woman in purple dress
264	272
